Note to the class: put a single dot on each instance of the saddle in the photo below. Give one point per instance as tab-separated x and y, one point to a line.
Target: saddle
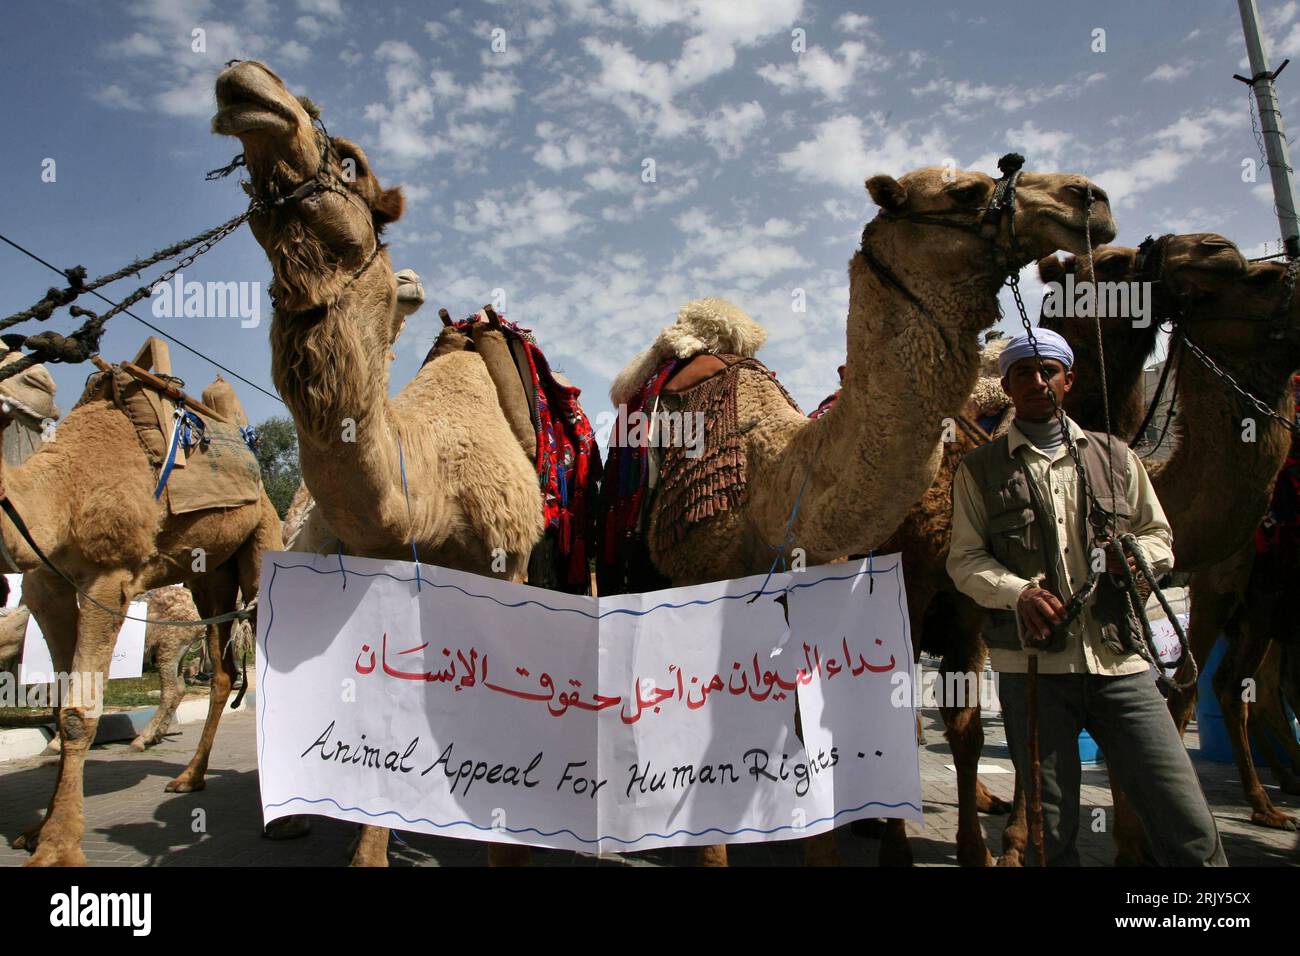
202	454
542	409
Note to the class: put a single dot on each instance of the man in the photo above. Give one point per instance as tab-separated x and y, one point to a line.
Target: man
1020	547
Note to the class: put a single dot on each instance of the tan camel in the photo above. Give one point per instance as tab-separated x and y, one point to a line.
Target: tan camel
87	498
165	644
473	491
913	356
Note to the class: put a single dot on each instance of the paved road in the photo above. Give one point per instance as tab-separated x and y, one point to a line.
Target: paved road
132	822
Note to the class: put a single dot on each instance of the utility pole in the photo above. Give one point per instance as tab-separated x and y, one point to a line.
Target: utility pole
1270	121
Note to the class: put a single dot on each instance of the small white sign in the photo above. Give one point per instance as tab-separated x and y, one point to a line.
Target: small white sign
37	666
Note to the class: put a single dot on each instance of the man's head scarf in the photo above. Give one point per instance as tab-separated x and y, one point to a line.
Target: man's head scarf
1051	345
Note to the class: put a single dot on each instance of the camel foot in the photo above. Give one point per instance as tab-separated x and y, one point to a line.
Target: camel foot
53	854
1274	819
28	839
1011	858
985	802
287	828
975	854
140	745
712	855
186	784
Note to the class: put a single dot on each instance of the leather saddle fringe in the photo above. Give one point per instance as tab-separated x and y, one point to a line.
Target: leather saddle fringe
696	487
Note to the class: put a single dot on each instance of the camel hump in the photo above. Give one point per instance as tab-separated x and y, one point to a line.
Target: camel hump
221	398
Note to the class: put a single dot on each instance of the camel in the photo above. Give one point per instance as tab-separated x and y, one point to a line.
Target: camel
166	644
473	493
919	296
88	499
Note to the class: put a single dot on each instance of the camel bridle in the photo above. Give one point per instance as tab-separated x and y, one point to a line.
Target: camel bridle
1149	267
322	180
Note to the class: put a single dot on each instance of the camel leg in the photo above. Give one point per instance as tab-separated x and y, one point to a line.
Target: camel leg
965	732
171	650
1270	710
1244	656
1015	835
214	593
372	847
715	855
60	836
54	605
1132	846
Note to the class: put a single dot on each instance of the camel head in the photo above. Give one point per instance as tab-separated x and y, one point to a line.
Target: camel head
1255	317
321	240
1172	271
1050	212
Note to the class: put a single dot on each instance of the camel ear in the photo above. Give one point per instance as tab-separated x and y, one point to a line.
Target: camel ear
887	193
390	206
1050	269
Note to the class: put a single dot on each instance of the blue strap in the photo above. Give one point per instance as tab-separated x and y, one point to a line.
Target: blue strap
250	437
401	463
184	422
170	460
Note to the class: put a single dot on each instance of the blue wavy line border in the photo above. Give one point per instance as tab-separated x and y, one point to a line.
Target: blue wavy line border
599	839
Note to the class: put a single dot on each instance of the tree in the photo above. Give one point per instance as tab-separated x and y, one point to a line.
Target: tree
277	455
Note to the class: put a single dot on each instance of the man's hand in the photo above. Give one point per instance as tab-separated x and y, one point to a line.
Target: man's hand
1114	566
1039	609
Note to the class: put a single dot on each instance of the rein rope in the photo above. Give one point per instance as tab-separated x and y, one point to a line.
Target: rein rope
1103	523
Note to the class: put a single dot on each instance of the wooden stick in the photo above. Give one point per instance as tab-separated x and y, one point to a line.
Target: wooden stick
1035	766
445	316
166	388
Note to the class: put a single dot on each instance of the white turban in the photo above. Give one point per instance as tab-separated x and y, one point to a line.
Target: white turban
1051	345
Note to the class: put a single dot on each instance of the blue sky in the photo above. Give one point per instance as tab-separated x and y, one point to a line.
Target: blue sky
523	167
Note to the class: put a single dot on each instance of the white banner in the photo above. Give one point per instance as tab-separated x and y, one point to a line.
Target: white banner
38	668
469	707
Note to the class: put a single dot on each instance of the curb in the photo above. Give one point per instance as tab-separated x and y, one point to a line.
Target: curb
20	742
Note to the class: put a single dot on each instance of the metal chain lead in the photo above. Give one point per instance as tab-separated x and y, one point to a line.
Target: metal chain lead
1232	383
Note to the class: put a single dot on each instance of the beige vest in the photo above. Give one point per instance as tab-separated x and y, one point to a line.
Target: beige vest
1023	538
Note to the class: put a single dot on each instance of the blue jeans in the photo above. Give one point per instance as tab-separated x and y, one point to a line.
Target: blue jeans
1144	755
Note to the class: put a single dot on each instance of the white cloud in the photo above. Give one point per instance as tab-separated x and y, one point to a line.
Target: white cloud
294	53
728	128
532	216
137	44
962	95
845	151
115	96
647	90
435	30
330	9
853	22
1167	72
1172	148
821	71
564	149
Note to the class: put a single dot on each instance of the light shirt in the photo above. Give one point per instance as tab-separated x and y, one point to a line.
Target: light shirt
980	576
